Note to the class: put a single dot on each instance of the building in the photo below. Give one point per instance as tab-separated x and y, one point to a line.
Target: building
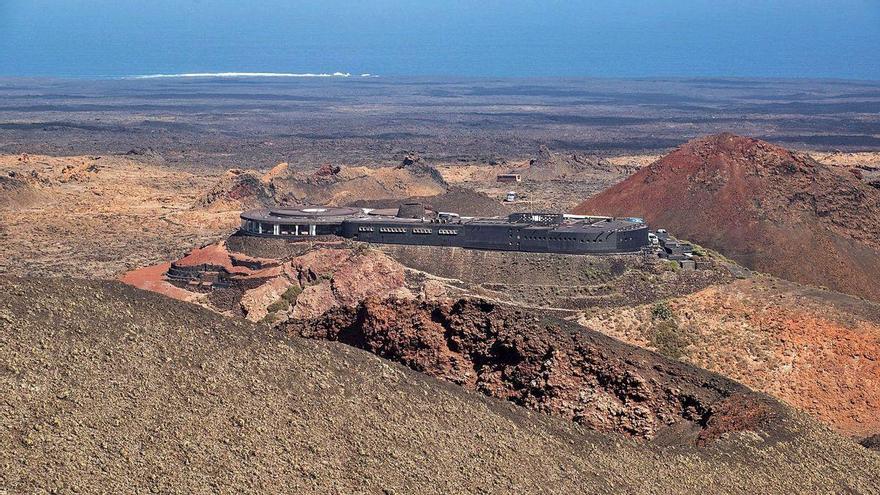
414	224
508	178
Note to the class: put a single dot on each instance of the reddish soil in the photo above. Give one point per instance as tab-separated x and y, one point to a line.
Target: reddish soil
770	209
548	365
736	413
152	278
817	350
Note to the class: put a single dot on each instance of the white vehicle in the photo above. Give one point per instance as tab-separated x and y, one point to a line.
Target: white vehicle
511	197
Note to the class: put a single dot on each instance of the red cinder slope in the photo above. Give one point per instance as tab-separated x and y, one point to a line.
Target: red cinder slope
770	209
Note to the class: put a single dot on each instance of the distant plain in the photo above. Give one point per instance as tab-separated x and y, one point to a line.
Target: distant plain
255	123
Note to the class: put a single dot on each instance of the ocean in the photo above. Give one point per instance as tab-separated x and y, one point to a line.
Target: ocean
487	38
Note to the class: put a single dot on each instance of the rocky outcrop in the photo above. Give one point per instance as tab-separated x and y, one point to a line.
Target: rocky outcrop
547	365
145	154
79	172
327	170
276	171
343	277
316	280
238	190
255	303
872	442
549	166
18	190
413	163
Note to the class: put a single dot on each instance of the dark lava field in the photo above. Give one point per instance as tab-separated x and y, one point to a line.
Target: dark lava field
256	123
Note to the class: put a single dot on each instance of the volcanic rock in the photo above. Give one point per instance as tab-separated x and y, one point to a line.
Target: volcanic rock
238	190
548	365
549	166
334	185
80	172
327	170
872	442
18	190
307	285
768	208
145	154
817	350
276	171
343	277
414	163
255	302
410	160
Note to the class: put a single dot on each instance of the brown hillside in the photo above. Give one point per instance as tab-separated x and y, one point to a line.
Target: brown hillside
336	185
769	208
817	350
106	387
548	165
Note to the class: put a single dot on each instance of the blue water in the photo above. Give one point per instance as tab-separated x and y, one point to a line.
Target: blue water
746	38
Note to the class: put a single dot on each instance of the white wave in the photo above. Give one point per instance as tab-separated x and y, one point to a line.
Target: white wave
239	74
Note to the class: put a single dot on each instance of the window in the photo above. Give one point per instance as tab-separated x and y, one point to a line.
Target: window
325	229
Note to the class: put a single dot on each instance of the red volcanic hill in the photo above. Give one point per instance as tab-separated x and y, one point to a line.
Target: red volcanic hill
768	208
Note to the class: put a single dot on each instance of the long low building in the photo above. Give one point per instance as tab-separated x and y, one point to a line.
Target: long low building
412	223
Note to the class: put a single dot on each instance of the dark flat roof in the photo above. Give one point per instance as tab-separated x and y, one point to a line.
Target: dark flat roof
312	215
319	215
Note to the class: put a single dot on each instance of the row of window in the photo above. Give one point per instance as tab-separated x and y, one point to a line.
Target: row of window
570	239
402	230
277	229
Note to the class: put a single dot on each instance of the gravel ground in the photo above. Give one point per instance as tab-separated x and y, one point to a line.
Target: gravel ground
106	388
